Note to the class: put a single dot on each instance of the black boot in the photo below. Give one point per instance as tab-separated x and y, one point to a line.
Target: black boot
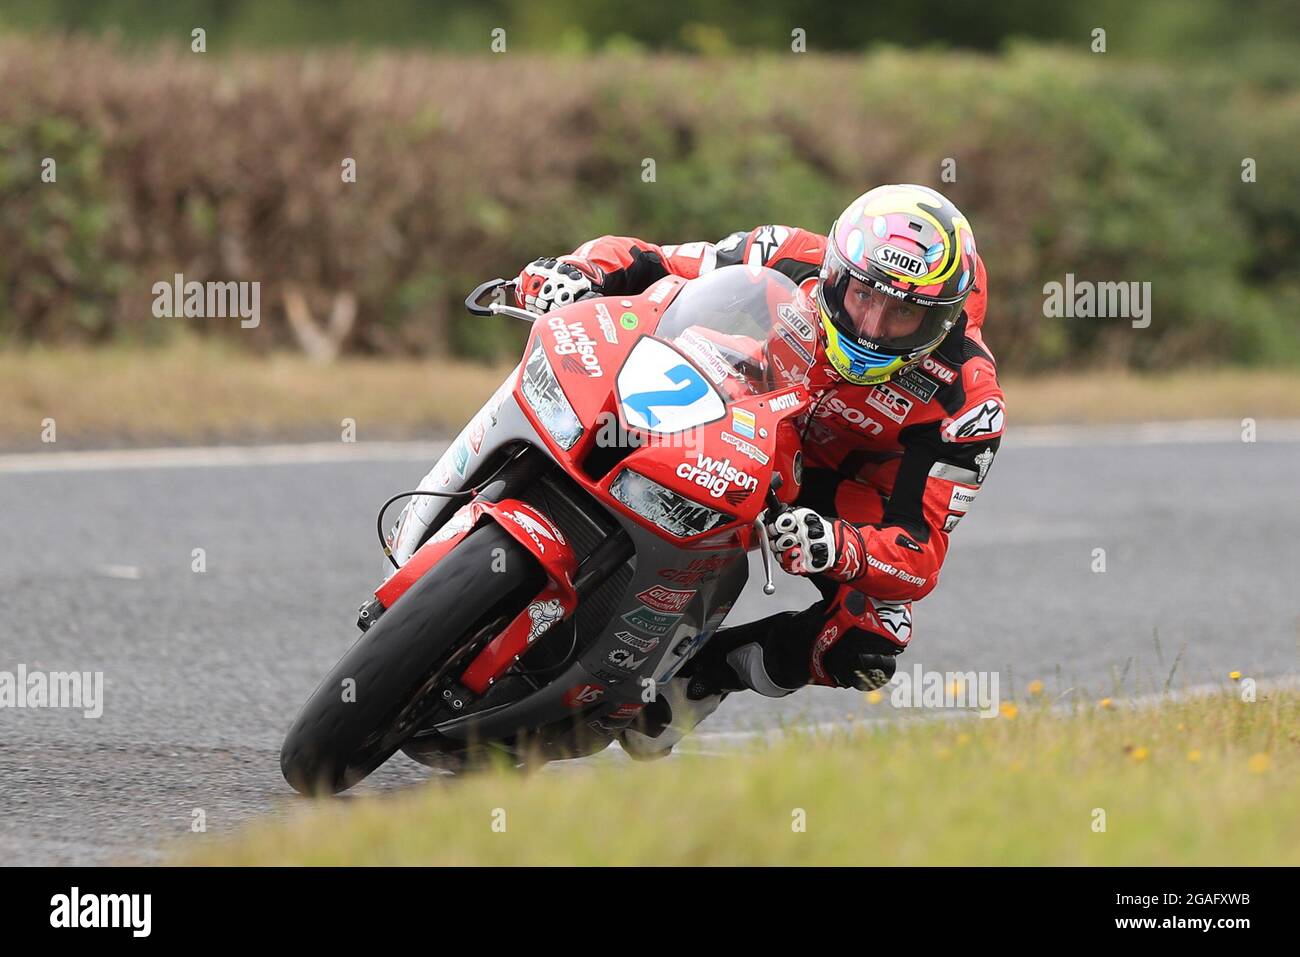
769	656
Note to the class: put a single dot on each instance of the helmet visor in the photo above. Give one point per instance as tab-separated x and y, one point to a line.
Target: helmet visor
880	320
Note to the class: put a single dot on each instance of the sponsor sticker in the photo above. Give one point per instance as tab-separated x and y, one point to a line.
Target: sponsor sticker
476	432
849	413
538	531
900	261
950	522
940	371
791	340
719	478
796	321
629	320
699	569
983	461
460	456
607	327
962	498
541	616
662	598
664	287
893	404
571	339
705	354
743	422
651	622
917	384
791	374
626	659
638	642
748	449
580	695
785	401
898	573
625	711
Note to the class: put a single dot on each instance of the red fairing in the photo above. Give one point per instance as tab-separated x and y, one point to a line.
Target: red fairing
430	553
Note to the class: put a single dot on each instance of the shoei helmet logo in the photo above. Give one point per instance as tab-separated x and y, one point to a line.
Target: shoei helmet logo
900	261
791	317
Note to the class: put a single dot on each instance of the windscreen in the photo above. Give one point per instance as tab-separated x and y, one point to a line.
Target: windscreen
724	319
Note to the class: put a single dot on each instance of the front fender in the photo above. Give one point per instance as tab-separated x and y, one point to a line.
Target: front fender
533	530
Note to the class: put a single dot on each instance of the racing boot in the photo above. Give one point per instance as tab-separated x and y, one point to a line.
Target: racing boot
733	660
680	705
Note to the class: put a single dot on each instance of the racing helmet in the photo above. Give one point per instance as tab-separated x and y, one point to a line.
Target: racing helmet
899	264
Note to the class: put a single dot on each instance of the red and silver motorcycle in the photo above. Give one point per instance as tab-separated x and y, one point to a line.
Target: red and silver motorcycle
581	539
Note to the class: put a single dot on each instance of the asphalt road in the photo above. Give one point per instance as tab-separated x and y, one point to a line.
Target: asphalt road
203	672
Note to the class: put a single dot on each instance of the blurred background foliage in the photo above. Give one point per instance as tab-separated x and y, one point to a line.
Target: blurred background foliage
1123	166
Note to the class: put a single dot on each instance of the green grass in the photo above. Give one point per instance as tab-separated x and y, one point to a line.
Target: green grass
1206	780
195	392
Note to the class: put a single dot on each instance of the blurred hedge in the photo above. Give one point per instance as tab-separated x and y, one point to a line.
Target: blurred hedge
229	168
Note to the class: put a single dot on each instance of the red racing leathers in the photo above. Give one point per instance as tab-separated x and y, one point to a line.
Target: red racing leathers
901	462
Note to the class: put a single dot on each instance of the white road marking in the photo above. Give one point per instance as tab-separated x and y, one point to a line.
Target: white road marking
128	572
1191	432
1196	432
315	453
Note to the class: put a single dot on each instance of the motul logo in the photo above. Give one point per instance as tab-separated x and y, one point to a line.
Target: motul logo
939	370
896	259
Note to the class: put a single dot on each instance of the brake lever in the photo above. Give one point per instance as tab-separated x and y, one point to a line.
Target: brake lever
774	508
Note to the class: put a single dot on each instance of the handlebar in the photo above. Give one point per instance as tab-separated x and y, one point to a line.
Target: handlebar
493	290
485	300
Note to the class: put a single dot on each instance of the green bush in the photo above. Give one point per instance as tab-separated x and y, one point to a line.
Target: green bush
228	168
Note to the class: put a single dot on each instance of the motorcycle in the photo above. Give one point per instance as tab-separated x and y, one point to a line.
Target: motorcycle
581	539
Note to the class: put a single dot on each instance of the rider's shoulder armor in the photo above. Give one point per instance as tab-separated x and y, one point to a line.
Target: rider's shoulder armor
795	252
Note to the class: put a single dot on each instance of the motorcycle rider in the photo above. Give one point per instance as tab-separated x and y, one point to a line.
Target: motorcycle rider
906	418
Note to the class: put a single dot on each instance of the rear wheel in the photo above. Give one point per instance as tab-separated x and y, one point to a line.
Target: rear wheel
376	696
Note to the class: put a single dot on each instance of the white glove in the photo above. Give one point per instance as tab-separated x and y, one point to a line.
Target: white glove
550	283
804	541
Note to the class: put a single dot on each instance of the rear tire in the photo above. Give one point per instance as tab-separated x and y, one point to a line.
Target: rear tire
334	742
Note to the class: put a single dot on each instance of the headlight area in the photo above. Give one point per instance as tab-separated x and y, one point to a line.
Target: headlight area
674	513
544	395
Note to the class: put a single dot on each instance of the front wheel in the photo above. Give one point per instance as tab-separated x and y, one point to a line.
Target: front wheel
371	702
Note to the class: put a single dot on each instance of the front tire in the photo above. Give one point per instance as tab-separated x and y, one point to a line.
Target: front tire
363	711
